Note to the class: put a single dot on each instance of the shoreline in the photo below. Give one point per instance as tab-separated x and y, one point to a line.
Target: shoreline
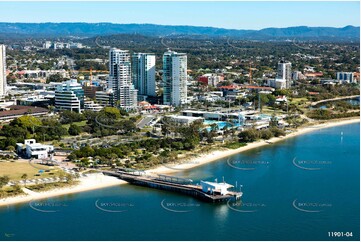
98	181
220	154
91	182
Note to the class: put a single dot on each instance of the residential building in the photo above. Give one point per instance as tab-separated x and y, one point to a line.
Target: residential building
313	75
40	74
47	45
277	83
2	71
174	78
284	72
90	88
210	79
297	75
69	96
143	74
62	45
92	106
125	95
281	83
31	149
105	98
345	77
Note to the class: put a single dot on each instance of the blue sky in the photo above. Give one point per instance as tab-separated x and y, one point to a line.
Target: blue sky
237	15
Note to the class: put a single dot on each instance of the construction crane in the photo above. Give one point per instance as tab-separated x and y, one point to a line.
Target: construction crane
91	72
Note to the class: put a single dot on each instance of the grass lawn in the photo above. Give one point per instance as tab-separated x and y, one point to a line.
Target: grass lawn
270	111
14	170
299	100
81	124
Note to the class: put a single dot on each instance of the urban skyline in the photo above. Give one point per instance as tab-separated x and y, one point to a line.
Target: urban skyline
131	132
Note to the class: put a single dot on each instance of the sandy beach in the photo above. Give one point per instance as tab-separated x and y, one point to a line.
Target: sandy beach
97	181
91	182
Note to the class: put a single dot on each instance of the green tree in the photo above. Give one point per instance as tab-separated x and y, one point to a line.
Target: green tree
273	122
277	132
55	78
69	178
248	135
28	122
4	180
74	129
266	134
111	112
67	117
24	177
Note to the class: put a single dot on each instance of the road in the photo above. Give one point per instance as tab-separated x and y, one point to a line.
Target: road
145	121
334	99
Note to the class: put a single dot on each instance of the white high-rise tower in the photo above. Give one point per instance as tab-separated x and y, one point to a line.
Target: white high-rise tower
125	95
174	78
143	73
2	71
284	72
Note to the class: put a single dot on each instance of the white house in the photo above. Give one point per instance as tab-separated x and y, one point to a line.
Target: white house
280	99
31	149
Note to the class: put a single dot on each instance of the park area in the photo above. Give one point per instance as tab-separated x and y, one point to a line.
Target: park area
15	170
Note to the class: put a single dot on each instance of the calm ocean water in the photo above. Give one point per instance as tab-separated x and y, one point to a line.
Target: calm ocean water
298	189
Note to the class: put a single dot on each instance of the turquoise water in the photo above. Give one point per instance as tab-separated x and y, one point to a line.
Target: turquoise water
298	189
220	124
264	116
355	102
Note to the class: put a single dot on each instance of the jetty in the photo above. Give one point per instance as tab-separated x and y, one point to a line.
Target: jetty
212	192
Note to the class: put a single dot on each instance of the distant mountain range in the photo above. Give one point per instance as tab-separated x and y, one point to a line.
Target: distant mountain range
94	29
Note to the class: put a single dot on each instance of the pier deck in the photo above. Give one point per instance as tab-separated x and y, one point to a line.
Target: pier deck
188	189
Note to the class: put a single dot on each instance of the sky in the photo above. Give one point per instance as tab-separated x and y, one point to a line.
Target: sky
231	15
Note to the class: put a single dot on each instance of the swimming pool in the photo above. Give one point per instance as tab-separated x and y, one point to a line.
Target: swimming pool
220	124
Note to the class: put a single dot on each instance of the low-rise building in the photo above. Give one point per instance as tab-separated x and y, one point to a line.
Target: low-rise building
313	75
345	77
92	106
280	99
31	149
16	111
278	83
211	79
105	98
183	119
35	100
